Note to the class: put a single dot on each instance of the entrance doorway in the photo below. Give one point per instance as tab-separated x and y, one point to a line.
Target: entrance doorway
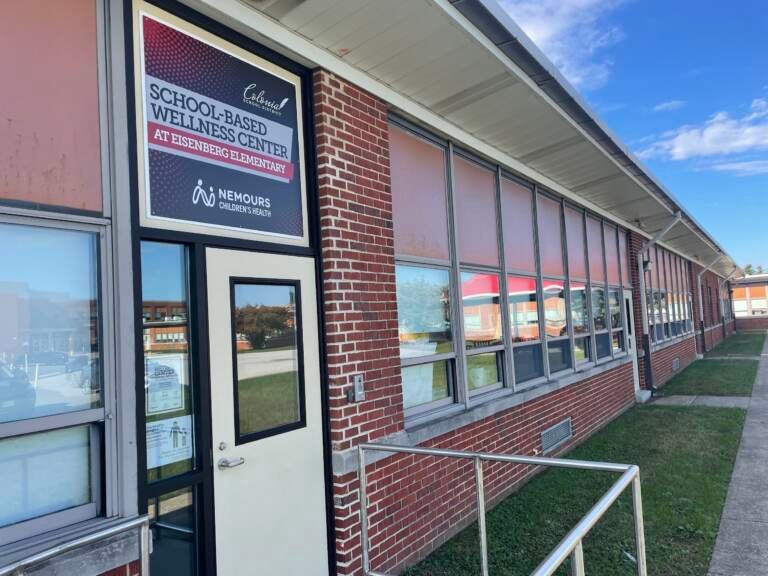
266	416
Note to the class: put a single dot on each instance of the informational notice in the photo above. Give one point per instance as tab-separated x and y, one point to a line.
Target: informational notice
165	378
221	136
169	441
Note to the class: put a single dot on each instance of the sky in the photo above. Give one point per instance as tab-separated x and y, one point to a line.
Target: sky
684	85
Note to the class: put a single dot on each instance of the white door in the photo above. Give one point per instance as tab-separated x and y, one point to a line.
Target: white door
629	310
268	477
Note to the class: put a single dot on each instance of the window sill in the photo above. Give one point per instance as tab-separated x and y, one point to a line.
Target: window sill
88	560
443	421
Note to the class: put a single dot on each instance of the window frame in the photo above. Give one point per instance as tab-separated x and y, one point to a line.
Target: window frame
102	425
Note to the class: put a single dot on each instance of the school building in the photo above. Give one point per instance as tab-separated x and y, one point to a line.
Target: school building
750	302
241	237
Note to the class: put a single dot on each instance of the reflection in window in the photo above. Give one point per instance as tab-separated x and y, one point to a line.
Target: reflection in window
483	370
169	392
529	362
599	309
579	308
583	349
172	521
523	308
49	349
615	308
425	383
559	355
266	342
44	473
481	307
423	308
603	345
265	339
554	309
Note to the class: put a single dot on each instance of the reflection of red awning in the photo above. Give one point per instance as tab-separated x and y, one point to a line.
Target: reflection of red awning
520	285
480	285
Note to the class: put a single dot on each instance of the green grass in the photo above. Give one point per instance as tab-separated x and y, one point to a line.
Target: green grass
686	457
267	401
714	378
740	344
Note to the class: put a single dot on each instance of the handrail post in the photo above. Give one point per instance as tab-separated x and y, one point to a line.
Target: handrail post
144	536
637	505
577	560
363	509
480	488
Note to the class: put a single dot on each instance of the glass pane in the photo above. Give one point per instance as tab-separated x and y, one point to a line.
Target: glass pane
559	353
556	323
550	237
529	362
517	211
603	345
596	257
523	308
425	383
599	309
611	255
574	234
482	310
418	188
475	194
49	332
423	311
44	473
626	278
50	151
482	370
168	391
172	520
579	308
618	341
267	392
615	308
583	349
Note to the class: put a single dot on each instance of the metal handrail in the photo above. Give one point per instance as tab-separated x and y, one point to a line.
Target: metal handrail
142	522
570	546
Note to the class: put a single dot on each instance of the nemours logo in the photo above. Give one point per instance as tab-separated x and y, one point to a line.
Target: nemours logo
208	198
255	97
232	201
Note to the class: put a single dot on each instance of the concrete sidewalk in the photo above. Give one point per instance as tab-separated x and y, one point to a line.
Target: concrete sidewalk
741	548
712	401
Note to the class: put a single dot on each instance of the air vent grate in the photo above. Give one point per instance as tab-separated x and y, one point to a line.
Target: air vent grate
552	437
675	364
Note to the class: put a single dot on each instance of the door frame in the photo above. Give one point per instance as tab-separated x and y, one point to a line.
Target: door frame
630	336
197	244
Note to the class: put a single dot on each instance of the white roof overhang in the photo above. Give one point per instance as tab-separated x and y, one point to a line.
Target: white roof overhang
465	70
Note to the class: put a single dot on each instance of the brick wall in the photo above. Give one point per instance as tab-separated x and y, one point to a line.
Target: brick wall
713	329
634	245
758	323
663	359
415	503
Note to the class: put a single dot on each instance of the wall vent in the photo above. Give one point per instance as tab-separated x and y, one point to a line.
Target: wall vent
552	437
675	364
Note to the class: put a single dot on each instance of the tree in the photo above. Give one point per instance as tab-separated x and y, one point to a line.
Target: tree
749	270
258	322
760	269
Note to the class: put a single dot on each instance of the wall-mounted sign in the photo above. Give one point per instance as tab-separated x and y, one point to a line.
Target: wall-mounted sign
164	382
169	441
220	135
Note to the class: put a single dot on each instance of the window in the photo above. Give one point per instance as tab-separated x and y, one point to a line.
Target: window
170	395
418	188
269	380
475	195
483	336
580	317
524	322
517	211
550	237
425	332
52	151
172	517
617	324
52	382
556	326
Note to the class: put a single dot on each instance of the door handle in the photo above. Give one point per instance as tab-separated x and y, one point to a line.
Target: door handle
226	463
